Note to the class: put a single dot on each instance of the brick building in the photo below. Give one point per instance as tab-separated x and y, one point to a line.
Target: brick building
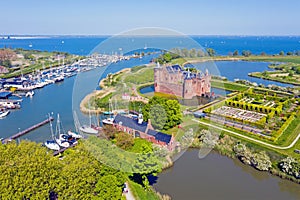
139	128
176	81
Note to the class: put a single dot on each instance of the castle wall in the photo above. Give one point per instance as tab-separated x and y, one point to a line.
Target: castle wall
169	88
174	83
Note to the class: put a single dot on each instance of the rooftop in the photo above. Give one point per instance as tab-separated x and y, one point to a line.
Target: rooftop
133	124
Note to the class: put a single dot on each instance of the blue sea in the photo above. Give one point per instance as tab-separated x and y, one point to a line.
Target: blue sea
223	45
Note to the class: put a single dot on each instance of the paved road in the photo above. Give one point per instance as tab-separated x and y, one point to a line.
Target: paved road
249	138
129	195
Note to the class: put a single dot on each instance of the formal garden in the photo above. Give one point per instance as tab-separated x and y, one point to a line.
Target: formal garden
269	112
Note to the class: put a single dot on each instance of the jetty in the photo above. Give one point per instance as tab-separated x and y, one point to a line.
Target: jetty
21	133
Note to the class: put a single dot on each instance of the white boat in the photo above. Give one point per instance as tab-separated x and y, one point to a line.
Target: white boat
74	134
4	113
51	144
62	143
59	79
88	129
29	94
108	121
7	104
62	139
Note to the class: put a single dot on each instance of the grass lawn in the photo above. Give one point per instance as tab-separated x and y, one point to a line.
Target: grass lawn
227	85
292	59
145	75
290	132
140	193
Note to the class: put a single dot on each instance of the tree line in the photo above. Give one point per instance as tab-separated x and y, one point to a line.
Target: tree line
29	171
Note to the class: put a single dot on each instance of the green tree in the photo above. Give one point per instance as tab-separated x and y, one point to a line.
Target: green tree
174	114
246	53
236	53
281	53
108	187
167	57
6	63
211	52
124	140
158	116
27	171
79	175
163	113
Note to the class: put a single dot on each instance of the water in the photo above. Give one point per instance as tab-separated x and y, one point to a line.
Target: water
238	70
219	177
83	45
217	91
59	98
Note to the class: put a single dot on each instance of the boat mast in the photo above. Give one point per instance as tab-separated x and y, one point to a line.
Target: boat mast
58	125
51	128
90	114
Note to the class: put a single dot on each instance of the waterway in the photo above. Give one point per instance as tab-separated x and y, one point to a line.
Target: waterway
59	98
219	177
238	70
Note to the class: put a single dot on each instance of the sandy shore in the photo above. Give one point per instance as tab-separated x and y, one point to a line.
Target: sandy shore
199	60
99	94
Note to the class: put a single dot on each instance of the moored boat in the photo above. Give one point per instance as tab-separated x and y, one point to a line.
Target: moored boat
74	134
108	121
51	144
4	113
88	130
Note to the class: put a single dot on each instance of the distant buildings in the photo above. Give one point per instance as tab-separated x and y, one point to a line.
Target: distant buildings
176	81
3	70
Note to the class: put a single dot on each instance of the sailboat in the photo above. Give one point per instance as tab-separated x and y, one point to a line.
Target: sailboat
51	144
74	134
88	128
63	140
4	113
109	120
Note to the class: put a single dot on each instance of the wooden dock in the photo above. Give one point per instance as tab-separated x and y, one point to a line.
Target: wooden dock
21	133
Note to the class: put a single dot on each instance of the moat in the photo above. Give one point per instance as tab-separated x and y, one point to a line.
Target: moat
220	177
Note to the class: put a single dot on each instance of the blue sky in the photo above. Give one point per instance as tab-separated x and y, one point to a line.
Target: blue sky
194	17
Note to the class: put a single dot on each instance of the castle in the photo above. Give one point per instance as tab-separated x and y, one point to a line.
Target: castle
176	81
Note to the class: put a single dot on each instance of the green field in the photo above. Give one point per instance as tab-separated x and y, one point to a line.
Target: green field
227	85
292	59
142	76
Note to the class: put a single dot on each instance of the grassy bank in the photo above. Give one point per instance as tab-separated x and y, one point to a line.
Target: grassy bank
227	85
140	193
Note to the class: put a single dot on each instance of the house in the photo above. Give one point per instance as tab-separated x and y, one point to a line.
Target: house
139	128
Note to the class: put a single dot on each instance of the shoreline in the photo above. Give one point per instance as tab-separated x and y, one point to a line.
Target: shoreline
200	60
103	92
270	79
